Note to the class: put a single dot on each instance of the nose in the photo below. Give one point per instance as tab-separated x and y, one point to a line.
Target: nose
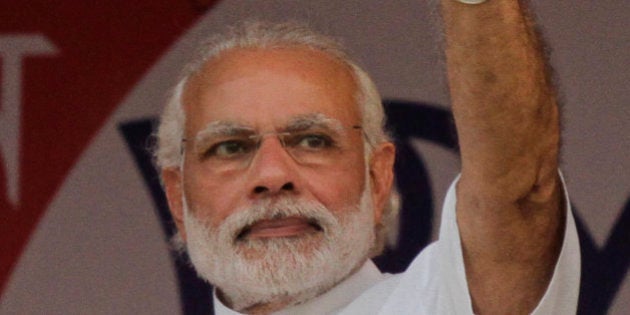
272	170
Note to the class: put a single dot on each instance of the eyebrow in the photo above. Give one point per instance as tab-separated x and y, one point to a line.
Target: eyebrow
222	128
315	120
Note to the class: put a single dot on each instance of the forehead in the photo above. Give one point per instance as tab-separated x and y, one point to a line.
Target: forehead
269	87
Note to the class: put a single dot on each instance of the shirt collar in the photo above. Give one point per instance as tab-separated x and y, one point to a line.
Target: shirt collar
331	301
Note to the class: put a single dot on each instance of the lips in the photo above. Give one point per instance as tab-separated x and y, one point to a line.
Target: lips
280	227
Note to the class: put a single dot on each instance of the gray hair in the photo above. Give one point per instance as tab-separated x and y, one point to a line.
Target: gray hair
264	35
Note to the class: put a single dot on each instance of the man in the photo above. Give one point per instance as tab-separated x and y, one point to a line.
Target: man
278	175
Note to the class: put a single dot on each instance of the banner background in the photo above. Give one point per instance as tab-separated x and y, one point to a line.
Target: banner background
79	231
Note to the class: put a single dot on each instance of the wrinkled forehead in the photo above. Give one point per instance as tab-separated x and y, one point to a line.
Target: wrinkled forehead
270	86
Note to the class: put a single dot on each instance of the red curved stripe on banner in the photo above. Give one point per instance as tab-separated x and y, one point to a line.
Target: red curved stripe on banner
104	49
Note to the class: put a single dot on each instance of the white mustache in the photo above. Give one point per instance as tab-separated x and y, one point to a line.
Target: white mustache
236	225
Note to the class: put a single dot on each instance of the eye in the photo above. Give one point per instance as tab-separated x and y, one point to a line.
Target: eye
229	149
311	141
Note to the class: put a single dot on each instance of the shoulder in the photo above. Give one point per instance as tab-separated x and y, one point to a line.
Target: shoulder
398	290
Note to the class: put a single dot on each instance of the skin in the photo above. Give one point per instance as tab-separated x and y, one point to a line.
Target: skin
509	197
265	89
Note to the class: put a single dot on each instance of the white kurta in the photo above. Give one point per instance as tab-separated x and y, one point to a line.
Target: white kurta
435	282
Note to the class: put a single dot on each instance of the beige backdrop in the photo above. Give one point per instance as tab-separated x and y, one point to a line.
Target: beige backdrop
99	248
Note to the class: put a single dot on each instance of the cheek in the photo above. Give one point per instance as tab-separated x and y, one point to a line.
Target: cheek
211	200
339	188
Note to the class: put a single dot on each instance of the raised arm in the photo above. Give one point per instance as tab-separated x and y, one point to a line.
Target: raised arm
509	200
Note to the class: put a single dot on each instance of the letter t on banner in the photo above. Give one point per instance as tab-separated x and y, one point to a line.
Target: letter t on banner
13	48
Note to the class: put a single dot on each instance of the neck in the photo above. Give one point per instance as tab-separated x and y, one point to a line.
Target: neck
268	308
276	304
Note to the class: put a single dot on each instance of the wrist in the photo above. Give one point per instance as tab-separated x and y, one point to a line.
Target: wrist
472	1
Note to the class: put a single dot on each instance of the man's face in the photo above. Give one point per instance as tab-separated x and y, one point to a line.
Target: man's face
267	202
268	91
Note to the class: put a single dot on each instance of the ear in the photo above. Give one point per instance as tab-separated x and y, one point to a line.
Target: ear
382	177
172	179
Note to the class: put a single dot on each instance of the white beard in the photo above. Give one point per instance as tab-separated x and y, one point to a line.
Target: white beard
295	269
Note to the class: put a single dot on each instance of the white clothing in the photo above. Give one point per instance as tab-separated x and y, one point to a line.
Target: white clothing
435	282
